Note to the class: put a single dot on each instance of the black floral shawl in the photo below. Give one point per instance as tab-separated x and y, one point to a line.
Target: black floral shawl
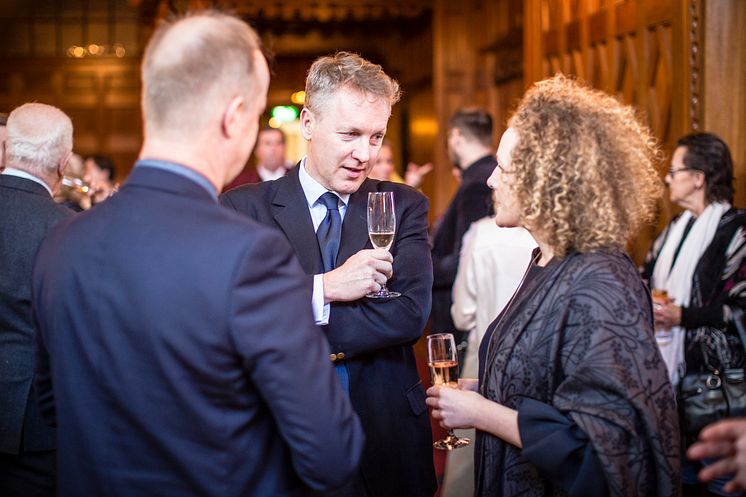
579	337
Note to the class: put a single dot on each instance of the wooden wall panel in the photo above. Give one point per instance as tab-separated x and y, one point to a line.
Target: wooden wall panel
102	97
478	61
681	63
724	81
624	48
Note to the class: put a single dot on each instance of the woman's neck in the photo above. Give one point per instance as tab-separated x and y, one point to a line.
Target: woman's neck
547	251
695	203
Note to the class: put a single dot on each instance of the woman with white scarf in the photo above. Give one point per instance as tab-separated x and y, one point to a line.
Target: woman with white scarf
699	261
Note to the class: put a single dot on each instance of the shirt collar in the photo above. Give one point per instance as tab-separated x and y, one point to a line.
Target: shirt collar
11	171
267	175
312	189
181	170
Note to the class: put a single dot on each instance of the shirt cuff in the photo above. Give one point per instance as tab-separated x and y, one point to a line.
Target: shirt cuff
560	450
320	309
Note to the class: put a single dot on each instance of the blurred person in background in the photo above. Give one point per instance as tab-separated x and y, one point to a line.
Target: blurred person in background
384	168
270	159
100	175
38	146
699	260
725	441
70	195
470	149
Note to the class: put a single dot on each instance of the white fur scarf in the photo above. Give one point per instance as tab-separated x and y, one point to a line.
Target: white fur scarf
677	281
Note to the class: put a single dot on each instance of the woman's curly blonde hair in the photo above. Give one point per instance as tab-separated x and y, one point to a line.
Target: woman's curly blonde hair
583	167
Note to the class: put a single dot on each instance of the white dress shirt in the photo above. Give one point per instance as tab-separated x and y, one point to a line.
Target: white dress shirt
313	190
11	171
267	175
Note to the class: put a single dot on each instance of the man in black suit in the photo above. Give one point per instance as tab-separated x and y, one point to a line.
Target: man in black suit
321	206
38	147
183	358
470	149
270	159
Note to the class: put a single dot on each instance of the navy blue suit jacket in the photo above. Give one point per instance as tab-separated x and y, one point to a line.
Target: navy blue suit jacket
179	349
375	336
27	212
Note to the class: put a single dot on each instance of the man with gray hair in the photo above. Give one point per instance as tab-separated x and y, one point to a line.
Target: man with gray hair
183	358
38	145
321	208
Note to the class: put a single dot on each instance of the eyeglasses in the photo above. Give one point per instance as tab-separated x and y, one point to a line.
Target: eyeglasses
672	172
503	170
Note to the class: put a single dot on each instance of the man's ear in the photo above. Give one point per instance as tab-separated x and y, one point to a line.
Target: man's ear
307	123
64	162
231	122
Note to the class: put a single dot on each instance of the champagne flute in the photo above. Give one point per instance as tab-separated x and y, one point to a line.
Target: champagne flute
442	357
381	230
77	185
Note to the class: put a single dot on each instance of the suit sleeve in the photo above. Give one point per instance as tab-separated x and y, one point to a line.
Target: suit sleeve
473	204
43	380
366	325
287	359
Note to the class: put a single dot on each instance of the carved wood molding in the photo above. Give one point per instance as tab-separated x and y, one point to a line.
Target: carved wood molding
696	63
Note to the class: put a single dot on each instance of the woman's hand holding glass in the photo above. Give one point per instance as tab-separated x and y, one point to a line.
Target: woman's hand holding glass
456	408
666	315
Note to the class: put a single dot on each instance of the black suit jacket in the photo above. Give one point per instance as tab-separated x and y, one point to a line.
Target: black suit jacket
473	201
375	336
27	212
182	353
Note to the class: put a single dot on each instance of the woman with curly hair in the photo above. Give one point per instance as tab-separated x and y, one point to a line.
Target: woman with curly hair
573	397
700	261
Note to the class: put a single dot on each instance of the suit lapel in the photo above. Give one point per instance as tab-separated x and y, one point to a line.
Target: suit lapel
290	212
355	224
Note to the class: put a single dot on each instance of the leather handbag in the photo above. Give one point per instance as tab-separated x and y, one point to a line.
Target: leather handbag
710	396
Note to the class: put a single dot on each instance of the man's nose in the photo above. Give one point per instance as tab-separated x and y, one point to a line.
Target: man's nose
361	152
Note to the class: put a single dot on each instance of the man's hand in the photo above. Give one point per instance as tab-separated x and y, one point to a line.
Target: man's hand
415	174
363	273
726	441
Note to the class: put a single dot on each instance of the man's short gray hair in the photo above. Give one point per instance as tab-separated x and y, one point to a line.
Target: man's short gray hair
39	137
193	63
347	70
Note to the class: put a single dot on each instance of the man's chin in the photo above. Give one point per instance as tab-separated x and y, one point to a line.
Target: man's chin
349	186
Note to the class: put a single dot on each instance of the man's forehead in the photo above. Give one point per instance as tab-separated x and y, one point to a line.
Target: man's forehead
270	134
357	110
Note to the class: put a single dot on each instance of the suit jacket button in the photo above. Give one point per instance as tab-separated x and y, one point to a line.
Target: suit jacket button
332	357
341	356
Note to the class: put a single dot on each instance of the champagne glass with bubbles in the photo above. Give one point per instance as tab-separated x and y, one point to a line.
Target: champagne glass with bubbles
381	230
442	357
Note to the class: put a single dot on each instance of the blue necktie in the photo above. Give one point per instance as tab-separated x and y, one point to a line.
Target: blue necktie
329	233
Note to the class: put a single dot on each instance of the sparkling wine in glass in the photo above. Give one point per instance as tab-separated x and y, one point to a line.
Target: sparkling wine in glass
442	357
381	230
77	185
